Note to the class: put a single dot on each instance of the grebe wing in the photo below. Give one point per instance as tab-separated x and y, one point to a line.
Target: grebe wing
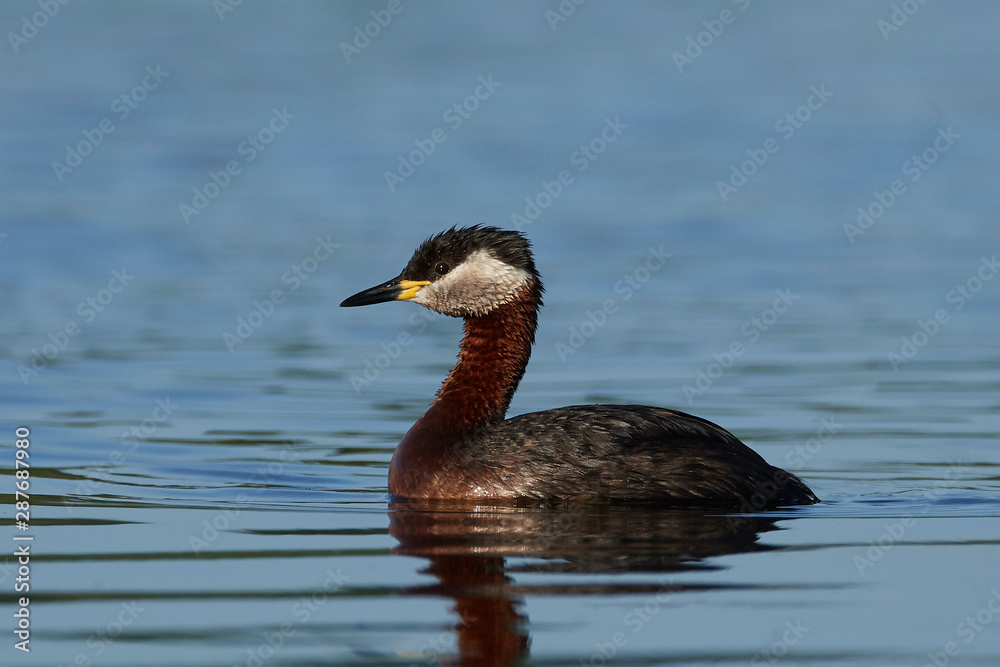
634	451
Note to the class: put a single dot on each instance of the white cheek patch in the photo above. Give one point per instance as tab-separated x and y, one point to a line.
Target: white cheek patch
476	286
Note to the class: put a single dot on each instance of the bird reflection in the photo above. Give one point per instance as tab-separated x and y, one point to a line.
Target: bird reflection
468	545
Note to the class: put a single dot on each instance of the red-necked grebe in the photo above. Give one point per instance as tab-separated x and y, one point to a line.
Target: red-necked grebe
462	447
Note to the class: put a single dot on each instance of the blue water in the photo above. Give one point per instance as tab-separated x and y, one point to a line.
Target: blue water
210	434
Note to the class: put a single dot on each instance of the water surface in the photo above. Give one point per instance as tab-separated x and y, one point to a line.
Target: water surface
208	480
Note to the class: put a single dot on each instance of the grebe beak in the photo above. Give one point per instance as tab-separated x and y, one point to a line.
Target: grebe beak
396	289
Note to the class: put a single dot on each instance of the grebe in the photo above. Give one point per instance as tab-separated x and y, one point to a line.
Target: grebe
462	447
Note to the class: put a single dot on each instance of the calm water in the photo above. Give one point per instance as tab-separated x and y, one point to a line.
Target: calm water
210	433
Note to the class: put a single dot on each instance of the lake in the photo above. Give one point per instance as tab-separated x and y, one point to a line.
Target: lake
191	188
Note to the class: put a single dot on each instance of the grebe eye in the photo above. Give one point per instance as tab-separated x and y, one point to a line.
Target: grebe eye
442	268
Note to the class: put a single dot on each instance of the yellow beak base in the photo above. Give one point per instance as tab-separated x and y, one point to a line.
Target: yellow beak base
409	288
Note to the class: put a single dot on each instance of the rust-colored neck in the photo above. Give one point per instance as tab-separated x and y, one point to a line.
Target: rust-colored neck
491	361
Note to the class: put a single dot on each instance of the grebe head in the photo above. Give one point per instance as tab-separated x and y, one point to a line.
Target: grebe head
465	272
